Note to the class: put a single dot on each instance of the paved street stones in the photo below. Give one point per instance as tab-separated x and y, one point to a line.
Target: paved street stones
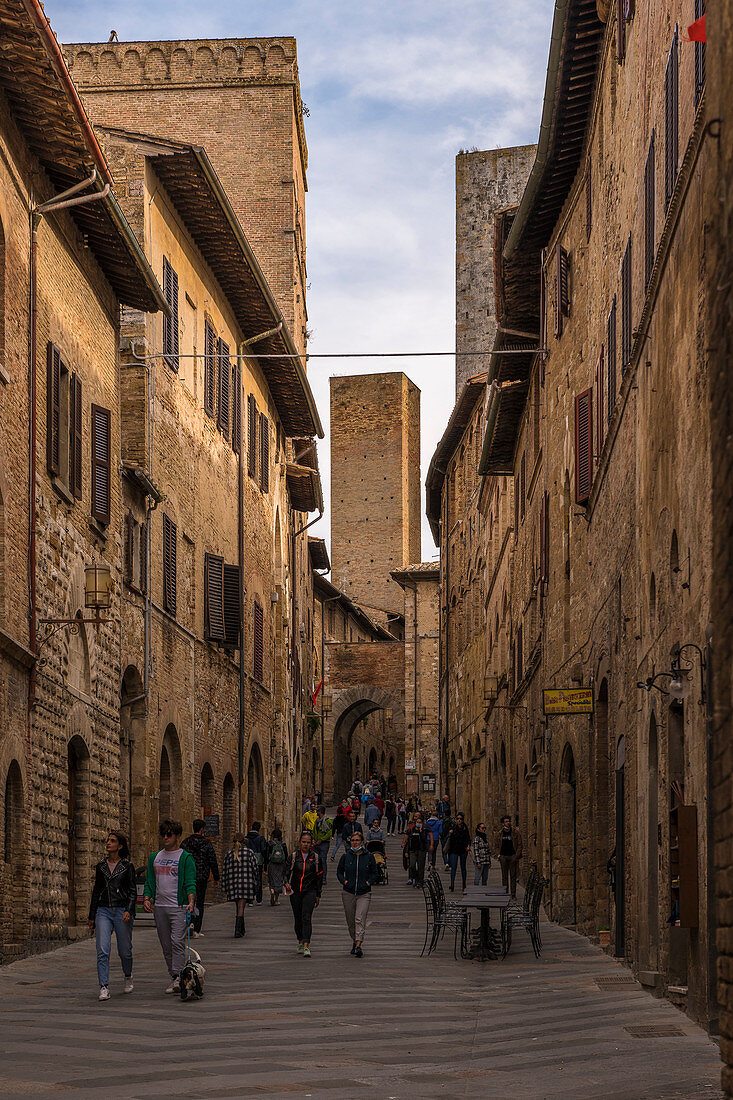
392	1024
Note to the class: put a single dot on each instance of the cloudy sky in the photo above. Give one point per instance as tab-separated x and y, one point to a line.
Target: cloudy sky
394	90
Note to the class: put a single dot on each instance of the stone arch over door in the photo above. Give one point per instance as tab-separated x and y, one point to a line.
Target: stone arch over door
567	866
171	773
13	870
256	785
350	706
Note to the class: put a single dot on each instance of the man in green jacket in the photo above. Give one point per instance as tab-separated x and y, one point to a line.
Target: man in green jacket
170	892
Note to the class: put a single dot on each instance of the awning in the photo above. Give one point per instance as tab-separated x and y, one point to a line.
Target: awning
304	487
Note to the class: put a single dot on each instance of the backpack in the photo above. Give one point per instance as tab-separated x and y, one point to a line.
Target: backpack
257	852
277	852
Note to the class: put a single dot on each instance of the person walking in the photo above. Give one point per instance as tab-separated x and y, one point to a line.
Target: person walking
510	852
401	815
112	908
447	824
204	856
338	826
459	842
308	819
357	872
322	833
240	877
390	812
303	885
443	807
276	858
434	825
417	846
349	826
257	844
371	813
170	894
481	856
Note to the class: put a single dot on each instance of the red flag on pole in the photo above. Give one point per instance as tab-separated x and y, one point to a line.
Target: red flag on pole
696	31
315	693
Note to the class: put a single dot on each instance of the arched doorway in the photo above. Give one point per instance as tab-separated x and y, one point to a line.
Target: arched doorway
567	885
652	831
132	732
14	854
620	899
208	790
78	856
229	816
256	786
602	845
169	787
372	762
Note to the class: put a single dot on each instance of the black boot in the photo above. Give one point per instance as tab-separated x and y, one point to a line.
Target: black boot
239	927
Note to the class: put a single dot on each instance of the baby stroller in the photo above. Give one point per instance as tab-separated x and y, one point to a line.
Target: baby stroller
377	848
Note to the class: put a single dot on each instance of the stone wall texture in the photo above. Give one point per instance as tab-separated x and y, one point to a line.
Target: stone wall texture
375	487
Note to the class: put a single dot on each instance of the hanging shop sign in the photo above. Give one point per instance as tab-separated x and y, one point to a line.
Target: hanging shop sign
568	701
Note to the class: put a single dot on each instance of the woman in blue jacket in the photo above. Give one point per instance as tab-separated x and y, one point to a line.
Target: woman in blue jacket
357	872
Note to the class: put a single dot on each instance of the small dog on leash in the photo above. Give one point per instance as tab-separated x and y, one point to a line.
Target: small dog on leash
192	978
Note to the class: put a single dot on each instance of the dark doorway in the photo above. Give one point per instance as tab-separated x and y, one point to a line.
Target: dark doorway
78	811
620	849
653	845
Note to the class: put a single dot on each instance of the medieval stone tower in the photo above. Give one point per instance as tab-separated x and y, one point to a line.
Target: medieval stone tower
486	182
239	99
375	487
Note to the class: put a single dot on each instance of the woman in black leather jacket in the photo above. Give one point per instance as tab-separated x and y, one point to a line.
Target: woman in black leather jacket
113	908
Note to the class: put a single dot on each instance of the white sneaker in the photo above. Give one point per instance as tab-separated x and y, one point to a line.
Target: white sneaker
103	993
128	986
174	987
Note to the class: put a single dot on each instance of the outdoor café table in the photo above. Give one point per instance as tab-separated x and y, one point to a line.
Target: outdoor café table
485	899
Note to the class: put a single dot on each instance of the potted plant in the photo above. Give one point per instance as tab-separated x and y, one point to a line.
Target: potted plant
313	720
604	935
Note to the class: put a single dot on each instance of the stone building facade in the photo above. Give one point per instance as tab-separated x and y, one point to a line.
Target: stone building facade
487	181
64	273
375	488
596	436
421	585
210	502
719	297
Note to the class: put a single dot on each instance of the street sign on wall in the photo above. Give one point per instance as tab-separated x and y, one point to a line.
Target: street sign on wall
410	764
568	701
428	784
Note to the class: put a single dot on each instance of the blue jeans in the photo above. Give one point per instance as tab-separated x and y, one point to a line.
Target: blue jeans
323	846
453	859
481	871
339	841
106	920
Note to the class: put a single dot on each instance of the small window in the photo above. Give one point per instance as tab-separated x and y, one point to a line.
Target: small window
264	454
214	597
75	435
236	407
170	324
562	288
611	359
671	120
232	606
101	463
627	336
170	536
650	199
252	418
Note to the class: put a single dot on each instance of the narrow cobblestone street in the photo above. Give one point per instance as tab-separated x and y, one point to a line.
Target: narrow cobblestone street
392	1024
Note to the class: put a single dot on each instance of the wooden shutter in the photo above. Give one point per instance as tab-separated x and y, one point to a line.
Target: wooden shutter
170	324
626	318
223	409
264	454
209	368
236	407
75	436
522	485
600	411
671	121
699	57
129	563
611	359
588	199
259	642
650	199
170	538
620	31
53	408
252	435
543	316
232	611
144	556
583	445
558	292
214	597
101	463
